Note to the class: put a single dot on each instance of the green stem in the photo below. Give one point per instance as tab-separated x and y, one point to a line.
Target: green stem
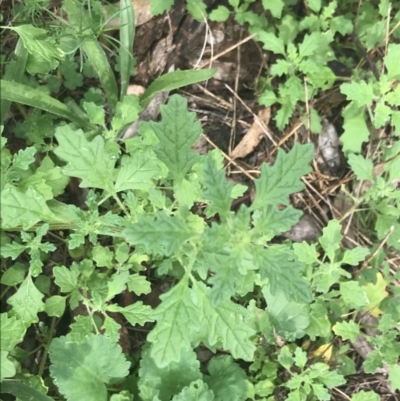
90	312
47	346
104	199
351	210
120	204
4	292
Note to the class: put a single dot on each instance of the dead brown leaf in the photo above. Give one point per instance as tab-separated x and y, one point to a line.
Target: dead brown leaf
141	10
253	136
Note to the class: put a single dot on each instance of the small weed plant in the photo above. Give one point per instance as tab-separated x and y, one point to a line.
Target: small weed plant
242	316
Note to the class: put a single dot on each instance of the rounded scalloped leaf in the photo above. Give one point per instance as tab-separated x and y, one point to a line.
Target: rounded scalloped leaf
82	370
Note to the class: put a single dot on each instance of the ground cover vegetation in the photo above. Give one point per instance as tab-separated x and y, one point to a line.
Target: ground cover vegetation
244	314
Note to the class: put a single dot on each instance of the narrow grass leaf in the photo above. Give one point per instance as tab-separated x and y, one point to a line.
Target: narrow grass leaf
174	80
126	37
14	72
99	62
20	93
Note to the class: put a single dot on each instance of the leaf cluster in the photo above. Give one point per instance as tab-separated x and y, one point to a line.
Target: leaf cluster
156	212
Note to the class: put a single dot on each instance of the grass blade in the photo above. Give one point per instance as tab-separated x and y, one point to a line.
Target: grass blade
14	72
20	93
174	80
126	34
98	59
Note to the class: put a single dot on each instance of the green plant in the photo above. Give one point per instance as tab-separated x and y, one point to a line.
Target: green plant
266	313
44	53
306	65
314	380
381	196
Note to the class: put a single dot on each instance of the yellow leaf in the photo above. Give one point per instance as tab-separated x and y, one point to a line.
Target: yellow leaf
306	345
324	351
376	293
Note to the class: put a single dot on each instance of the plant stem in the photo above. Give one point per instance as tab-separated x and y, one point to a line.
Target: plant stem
4	292
120	204
46	347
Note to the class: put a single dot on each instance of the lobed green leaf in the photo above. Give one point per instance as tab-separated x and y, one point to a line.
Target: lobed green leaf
27	302
283	178
331	238
271	42
177	133
363	168
177	323
277	265
86	160
347	330
23	208
137	171
164	235
217	189
224	325
12	332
